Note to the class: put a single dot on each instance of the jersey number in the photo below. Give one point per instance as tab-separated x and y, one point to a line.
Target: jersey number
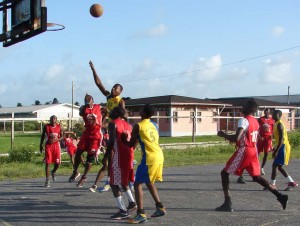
254	136
152	137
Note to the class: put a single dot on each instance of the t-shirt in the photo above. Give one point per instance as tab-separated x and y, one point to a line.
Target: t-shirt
249	136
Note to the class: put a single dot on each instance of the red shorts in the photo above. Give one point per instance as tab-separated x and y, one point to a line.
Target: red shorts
52	153
71	150
119	176
244	158
264	145
90	145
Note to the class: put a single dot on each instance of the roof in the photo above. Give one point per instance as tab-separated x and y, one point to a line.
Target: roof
292	99
171	100
240	101
32	108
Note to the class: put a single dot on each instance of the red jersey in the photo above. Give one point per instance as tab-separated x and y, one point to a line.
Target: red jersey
52	133
265	126
249	136
92	121
126	153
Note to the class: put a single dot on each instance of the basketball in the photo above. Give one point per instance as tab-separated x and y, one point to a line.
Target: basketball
96	10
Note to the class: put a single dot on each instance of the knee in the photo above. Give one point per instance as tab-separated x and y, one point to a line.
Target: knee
224	174
255	178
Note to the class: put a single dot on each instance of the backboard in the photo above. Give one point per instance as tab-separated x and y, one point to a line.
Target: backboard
22	19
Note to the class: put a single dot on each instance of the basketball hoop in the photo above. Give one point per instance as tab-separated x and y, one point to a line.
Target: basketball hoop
55	27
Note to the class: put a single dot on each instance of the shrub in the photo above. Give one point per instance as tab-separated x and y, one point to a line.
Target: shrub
22	154
294	140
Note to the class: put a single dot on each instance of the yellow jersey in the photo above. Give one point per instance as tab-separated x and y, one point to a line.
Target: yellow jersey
149	141
286	148
276	134
111	103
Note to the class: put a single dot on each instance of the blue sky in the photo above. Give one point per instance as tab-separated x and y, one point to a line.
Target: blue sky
157	47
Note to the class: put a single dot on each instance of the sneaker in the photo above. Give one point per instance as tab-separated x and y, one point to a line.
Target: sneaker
291	185
105	188
81	181
74	176
47	184
122	214
139	218
131	207
283	199
225	207
262	171
240	180
53	176
93	188
159	212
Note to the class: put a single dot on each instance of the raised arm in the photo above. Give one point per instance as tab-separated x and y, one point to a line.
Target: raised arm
98	80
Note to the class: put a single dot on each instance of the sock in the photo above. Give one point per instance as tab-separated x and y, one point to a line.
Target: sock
129	195
141	211
273	182
120	203
290	179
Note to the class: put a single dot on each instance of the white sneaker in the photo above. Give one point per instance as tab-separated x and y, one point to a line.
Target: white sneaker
93	188
105	188
262	171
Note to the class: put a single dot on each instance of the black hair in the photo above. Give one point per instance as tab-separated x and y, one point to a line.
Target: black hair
250	107
277	112
117	112
53	116
117	84
149	110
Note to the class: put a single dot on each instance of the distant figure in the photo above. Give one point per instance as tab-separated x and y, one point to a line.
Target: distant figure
70	146
54	135
264	142
281	152
151	167
245	157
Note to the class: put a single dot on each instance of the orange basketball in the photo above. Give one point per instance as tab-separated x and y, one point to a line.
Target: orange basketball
96	10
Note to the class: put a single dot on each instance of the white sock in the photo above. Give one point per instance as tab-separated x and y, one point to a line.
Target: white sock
129	195
120	203
290	179
273	182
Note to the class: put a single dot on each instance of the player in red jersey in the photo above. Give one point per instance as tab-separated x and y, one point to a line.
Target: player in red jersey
54	134
264	142
70	146
121	167
91	138
245	157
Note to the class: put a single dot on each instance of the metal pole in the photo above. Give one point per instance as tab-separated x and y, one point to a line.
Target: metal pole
72	115
288	100
12	134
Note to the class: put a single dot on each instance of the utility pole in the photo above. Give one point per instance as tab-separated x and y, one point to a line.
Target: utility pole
72	113
288	99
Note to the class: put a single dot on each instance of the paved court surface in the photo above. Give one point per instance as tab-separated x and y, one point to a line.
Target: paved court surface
190	195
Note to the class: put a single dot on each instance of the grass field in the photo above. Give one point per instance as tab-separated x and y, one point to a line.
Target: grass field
173	157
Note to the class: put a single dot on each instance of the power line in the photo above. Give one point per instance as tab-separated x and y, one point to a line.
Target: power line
203	69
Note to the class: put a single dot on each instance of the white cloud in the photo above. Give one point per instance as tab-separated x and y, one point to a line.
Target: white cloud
53	73
276	71
157	31
278	31
3	88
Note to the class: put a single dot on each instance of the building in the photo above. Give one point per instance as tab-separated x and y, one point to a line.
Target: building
232	113
179	115
42	112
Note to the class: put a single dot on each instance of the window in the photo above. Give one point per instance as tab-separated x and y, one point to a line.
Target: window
199	116
192	114
167	120
175	116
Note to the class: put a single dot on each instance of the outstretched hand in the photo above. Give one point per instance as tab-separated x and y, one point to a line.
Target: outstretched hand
92	65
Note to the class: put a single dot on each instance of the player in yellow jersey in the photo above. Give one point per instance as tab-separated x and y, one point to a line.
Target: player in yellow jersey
281	152
151	166
113	100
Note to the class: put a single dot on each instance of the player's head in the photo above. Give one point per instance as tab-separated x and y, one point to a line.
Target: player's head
116	90
277	115
53	120
148	111
266	112
88	99
249	108
117	112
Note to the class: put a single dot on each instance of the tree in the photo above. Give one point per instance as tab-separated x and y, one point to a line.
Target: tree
77	104
48	102
37	102
55	101
19	105
0	106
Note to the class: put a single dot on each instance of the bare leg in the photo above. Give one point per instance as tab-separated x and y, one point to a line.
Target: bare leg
274	169
47	170
153	192
139	196
263	163
283	171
